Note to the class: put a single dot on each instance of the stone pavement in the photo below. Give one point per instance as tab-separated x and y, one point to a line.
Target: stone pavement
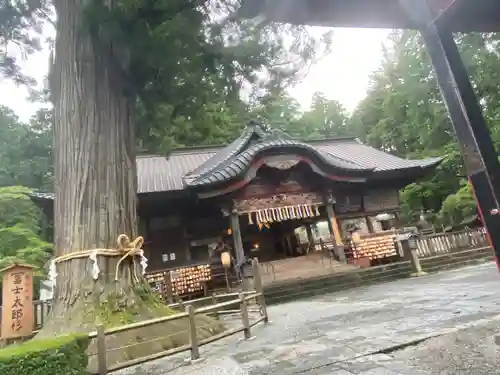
470	351
341	333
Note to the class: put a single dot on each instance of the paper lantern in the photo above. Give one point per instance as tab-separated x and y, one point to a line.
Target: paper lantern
225	258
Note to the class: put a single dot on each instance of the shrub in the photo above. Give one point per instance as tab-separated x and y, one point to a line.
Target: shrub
62	355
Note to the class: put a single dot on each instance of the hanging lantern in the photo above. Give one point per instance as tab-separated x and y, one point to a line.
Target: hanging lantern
229	231
225	259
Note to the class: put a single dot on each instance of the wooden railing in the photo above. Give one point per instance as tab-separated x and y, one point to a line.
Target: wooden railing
195	342
215	305
443	243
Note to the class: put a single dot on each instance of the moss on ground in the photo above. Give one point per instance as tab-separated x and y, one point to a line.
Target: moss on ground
118	310
34	346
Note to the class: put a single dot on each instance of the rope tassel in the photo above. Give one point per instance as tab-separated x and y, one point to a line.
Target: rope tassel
125	249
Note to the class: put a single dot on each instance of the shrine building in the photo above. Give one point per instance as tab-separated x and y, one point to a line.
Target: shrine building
294	205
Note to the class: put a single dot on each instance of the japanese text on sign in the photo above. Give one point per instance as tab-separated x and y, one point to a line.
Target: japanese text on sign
17	294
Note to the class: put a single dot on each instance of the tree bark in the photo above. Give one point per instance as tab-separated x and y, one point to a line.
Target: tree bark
95	171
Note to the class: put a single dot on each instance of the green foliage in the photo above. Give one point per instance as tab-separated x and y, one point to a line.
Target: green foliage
404	113
26	150
186	62
325	119
20	234
63	355
458	207
21	23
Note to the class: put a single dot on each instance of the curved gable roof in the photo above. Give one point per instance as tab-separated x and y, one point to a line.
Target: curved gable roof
157	173
234	159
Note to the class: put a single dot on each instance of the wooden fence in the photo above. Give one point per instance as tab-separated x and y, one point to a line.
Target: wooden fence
443	243
215	305
242	302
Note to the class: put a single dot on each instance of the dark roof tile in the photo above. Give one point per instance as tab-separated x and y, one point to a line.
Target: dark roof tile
161	173
208	165
370	157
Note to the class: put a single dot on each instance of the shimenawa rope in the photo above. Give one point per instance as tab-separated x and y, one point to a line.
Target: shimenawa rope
125	248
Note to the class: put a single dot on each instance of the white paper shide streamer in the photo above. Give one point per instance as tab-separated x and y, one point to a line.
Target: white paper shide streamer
95	265
144	262
52	272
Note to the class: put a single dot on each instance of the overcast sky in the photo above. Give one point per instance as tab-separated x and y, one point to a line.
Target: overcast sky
342	75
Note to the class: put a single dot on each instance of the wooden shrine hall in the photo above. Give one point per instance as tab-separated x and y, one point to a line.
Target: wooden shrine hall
264	195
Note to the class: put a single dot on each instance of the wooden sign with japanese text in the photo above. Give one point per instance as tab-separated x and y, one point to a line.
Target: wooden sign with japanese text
17	301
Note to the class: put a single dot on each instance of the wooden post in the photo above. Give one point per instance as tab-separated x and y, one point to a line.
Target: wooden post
369	224
257	282
169	290
181	303
101	351
310	239
414	259
415	262
193	338
226	276
238	242
333	225
37	309
244	316
214	302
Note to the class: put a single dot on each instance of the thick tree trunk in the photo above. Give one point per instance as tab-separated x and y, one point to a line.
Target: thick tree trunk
95	172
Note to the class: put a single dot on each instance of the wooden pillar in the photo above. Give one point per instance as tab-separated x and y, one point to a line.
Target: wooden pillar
289	246
310	238
369	224
333	225
187	243
237	241
397	221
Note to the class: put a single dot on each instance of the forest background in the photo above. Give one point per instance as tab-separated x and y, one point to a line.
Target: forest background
403	114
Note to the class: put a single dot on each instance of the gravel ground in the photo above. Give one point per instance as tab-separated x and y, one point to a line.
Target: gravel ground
470	351
350	332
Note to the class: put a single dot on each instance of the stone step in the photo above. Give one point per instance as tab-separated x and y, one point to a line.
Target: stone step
329	288
334	284
305	288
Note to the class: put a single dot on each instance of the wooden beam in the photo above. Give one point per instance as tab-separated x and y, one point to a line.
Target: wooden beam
333	224
443	9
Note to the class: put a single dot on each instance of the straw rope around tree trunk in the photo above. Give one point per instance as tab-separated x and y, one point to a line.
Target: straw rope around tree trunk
125	249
